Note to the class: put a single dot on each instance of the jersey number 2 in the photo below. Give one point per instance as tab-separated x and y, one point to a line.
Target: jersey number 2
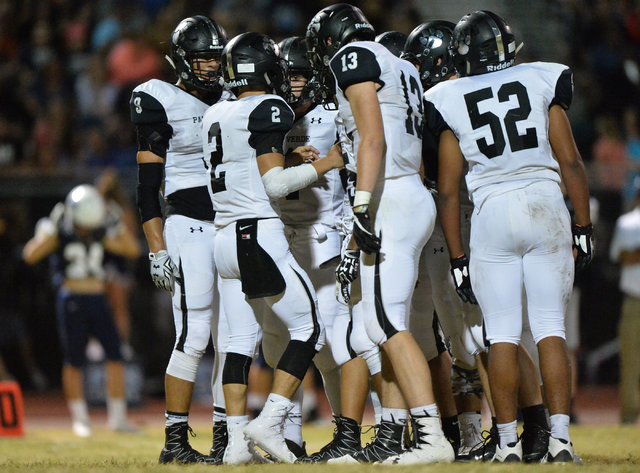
517	142
215	143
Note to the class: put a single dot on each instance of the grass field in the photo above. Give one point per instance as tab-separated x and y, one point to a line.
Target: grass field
611	449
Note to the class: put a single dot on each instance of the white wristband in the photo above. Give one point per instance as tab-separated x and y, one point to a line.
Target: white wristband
361	198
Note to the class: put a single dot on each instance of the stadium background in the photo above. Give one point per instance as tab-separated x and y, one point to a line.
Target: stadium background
67	68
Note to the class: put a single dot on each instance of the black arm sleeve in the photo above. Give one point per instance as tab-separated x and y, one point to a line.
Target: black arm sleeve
152	127
564	90
147	191
354	65
430	155
269	122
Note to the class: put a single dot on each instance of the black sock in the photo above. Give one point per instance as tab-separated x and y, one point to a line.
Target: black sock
494	423
535	415
451	430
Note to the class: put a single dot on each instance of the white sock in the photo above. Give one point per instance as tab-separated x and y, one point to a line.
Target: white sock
396	416
280	400
508	433
172	418
293	425
219	414
560	426
377	407
430	410
117	411
79	411
235	423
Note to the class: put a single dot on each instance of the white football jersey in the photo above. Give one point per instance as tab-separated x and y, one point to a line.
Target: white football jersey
321	202
501	120
235	133
400	98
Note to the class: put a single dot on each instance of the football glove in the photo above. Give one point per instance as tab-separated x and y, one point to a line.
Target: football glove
365	238
348	271
163	272
583	243
461	279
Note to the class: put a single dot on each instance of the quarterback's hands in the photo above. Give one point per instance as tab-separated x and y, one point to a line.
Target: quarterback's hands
583	244
363	234
304	154
461	279
164	272
348	271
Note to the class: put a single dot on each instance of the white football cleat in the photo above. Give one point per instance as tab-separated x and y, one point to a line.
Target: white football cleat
81	428
429	444
239	451
266	431
561	451
511	453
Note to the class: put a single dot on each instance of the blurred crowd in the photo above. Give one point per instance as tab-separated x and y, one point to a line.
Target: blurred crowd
67	69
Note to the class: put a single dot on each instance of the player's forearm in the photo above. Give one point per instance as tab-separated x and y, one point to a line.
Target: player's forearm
575	180
449	212
153	233
369	160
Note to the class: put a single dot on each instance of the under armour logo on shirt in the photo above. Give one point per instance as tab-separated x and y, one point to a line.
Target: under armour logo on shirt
196	229
441	250
313	119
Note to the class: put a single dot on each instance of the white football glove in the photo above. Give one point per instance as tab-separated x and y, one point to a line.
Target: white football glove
163	271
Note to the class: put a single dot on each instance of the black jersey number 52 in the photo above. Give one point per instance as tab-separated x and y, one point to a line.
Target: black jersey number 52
517	142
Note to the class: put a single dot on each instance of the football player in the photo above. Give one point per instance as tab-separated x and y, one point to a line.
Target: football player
168	123
247	138
428	48
76	235
521	235
380	100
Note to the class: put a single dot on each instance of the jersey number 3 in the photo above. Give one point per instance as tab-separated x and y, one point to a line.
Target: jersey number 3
517	142
215	146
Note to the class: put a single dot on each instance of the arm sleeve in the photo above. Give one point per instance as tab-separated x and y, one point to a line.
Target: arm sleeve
152	128
564	90
353	65
269	122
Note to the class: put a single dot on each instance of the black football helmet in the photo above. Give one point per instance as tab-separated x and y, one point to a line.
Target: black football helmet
428	48
393	41
329	30
198	37
294	51
254	59
482	42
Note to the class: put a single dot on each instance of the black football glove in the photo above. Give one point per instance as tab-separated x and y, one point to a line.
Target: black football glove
460	273
365	238
583	243
348	271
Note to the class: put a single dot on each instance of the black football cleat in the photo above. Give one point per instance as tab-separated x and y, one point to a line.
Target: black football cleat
346	440
177	449
220	440
535	443
486	450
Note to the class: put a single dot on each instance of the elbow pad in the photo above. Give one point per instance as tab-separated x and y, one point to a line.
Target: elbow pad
149	182
279	182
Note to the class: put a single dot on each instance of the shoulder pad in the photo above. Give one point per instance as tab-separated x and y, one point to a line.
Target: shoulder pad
271	114
354	64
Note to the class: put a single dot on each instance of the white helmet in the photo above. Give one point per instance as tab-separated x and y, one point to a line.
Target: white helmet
86	206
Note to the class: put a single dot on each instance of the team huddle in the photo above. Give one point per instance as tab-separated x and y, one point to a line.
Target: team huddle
301	182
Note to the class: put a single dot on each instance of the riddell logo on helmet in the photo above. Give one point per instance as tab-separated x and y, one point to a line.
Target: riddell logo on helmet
362	25
237	83
499	67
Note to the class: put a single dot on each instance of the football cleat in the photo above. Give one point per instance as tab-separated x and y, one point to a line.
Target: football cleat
266	431
220	440
177	448
429	444
470	437
511	453
561	451
81	428
535	443
238	451
346	440
387	443
485	450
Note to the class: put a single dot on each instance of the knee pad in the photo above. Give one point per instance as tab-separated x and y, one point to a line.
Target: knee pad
297	357
373	360
183	366
465	382
236	369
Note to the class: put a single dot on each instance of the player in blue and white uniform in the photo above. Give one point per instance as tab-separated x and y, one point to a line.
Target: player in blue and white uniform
75	236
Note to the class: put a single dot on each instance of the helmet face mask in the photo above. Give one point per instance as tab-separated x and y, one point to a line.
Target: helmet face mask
294	52
482	42
196	40
428	47
253	59
329	30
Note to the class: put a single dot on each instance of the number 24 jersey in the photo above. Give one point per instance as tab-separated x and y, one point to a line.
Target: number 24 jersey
501	120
